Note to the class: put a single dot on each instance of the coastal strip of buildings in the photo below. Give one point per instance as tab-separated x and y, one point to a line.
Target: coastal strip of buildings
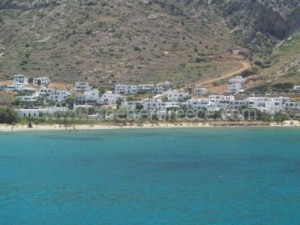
37	99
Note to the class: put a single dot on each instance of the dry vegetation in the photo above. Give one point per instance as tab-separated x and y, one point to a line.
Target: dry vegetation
110	41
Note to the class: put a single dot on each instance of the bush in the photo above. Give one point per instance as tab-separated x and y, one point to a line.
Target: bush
8	115
136	48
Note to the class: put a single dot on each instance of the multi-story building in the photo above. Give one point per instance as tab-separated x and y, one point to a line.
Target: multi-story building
200	91
41	81
82	86
235	85
177	96
20	79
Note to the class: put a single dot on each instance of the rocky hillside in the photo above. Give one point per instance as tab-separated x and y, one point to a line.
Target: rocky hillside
111	41
260	24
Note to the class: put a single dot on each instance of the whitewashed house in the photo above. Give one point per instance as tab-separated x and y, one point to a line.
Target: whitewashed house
237	104
217	98
268	105
31	112
15	87
161	87
80	99
158	90
41	112
198	103
41	81
58	96
200	91
129	105
82	86
88	97
124	89
121	89
297	88
164	85
292	106
109	98
153	105
235	85
145	88
169	105
157	105
132	90
27	98
176	96
92	96
45	91
220	101
20	79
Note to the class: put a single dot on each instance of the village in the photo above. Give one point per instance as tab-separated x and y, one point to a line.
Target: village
35	99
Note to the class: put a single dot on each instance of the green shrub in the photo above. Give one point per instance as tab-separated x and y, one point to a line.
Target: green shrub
8	115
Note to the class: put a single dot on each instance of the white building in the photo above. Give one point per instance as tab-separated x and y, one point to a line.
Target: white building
45	91
164	85
58	96
82	86
158	90
198	103
153	105
169	105
161	87
292	106
124	89
177	96
157	105
268	105
15	87
30	98
92	96
41	81
297	88
235	85
217	98
145	88
129	105
109	98
237	104
200	91
41	112
121	89
20	79
88	97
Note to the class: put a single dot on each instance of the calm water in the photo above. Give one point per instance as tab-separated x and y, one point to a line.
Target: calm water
152	177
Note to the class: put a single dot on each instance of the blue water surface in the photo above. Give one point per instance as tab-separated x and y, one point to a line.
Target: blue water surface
151	177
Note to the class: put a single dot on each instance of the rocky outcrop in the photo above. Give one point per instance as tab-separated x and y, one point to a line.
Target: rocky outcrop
260	24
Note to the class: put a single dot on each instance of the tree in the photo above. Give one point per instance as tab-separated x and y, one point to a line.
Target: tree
8	115
280	117
119	102
262	116
139	106
70	101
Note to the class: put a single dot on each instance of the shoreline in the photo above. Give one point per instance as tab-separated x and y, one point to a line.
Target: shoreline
59	127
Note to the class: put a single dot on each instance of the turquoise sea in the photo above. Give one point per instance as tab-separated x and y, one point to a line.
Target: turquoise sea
151	177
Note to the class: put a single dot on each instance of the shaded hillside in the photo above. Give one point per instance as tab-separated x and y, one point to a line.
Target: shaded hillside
260	24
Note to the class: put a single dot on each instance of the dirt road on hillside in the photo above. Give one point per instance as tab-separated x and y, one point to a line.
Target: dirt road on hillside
245	65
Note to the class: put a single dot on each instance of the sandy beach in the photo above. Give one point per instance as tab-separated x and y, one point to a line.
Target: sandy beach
161	125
